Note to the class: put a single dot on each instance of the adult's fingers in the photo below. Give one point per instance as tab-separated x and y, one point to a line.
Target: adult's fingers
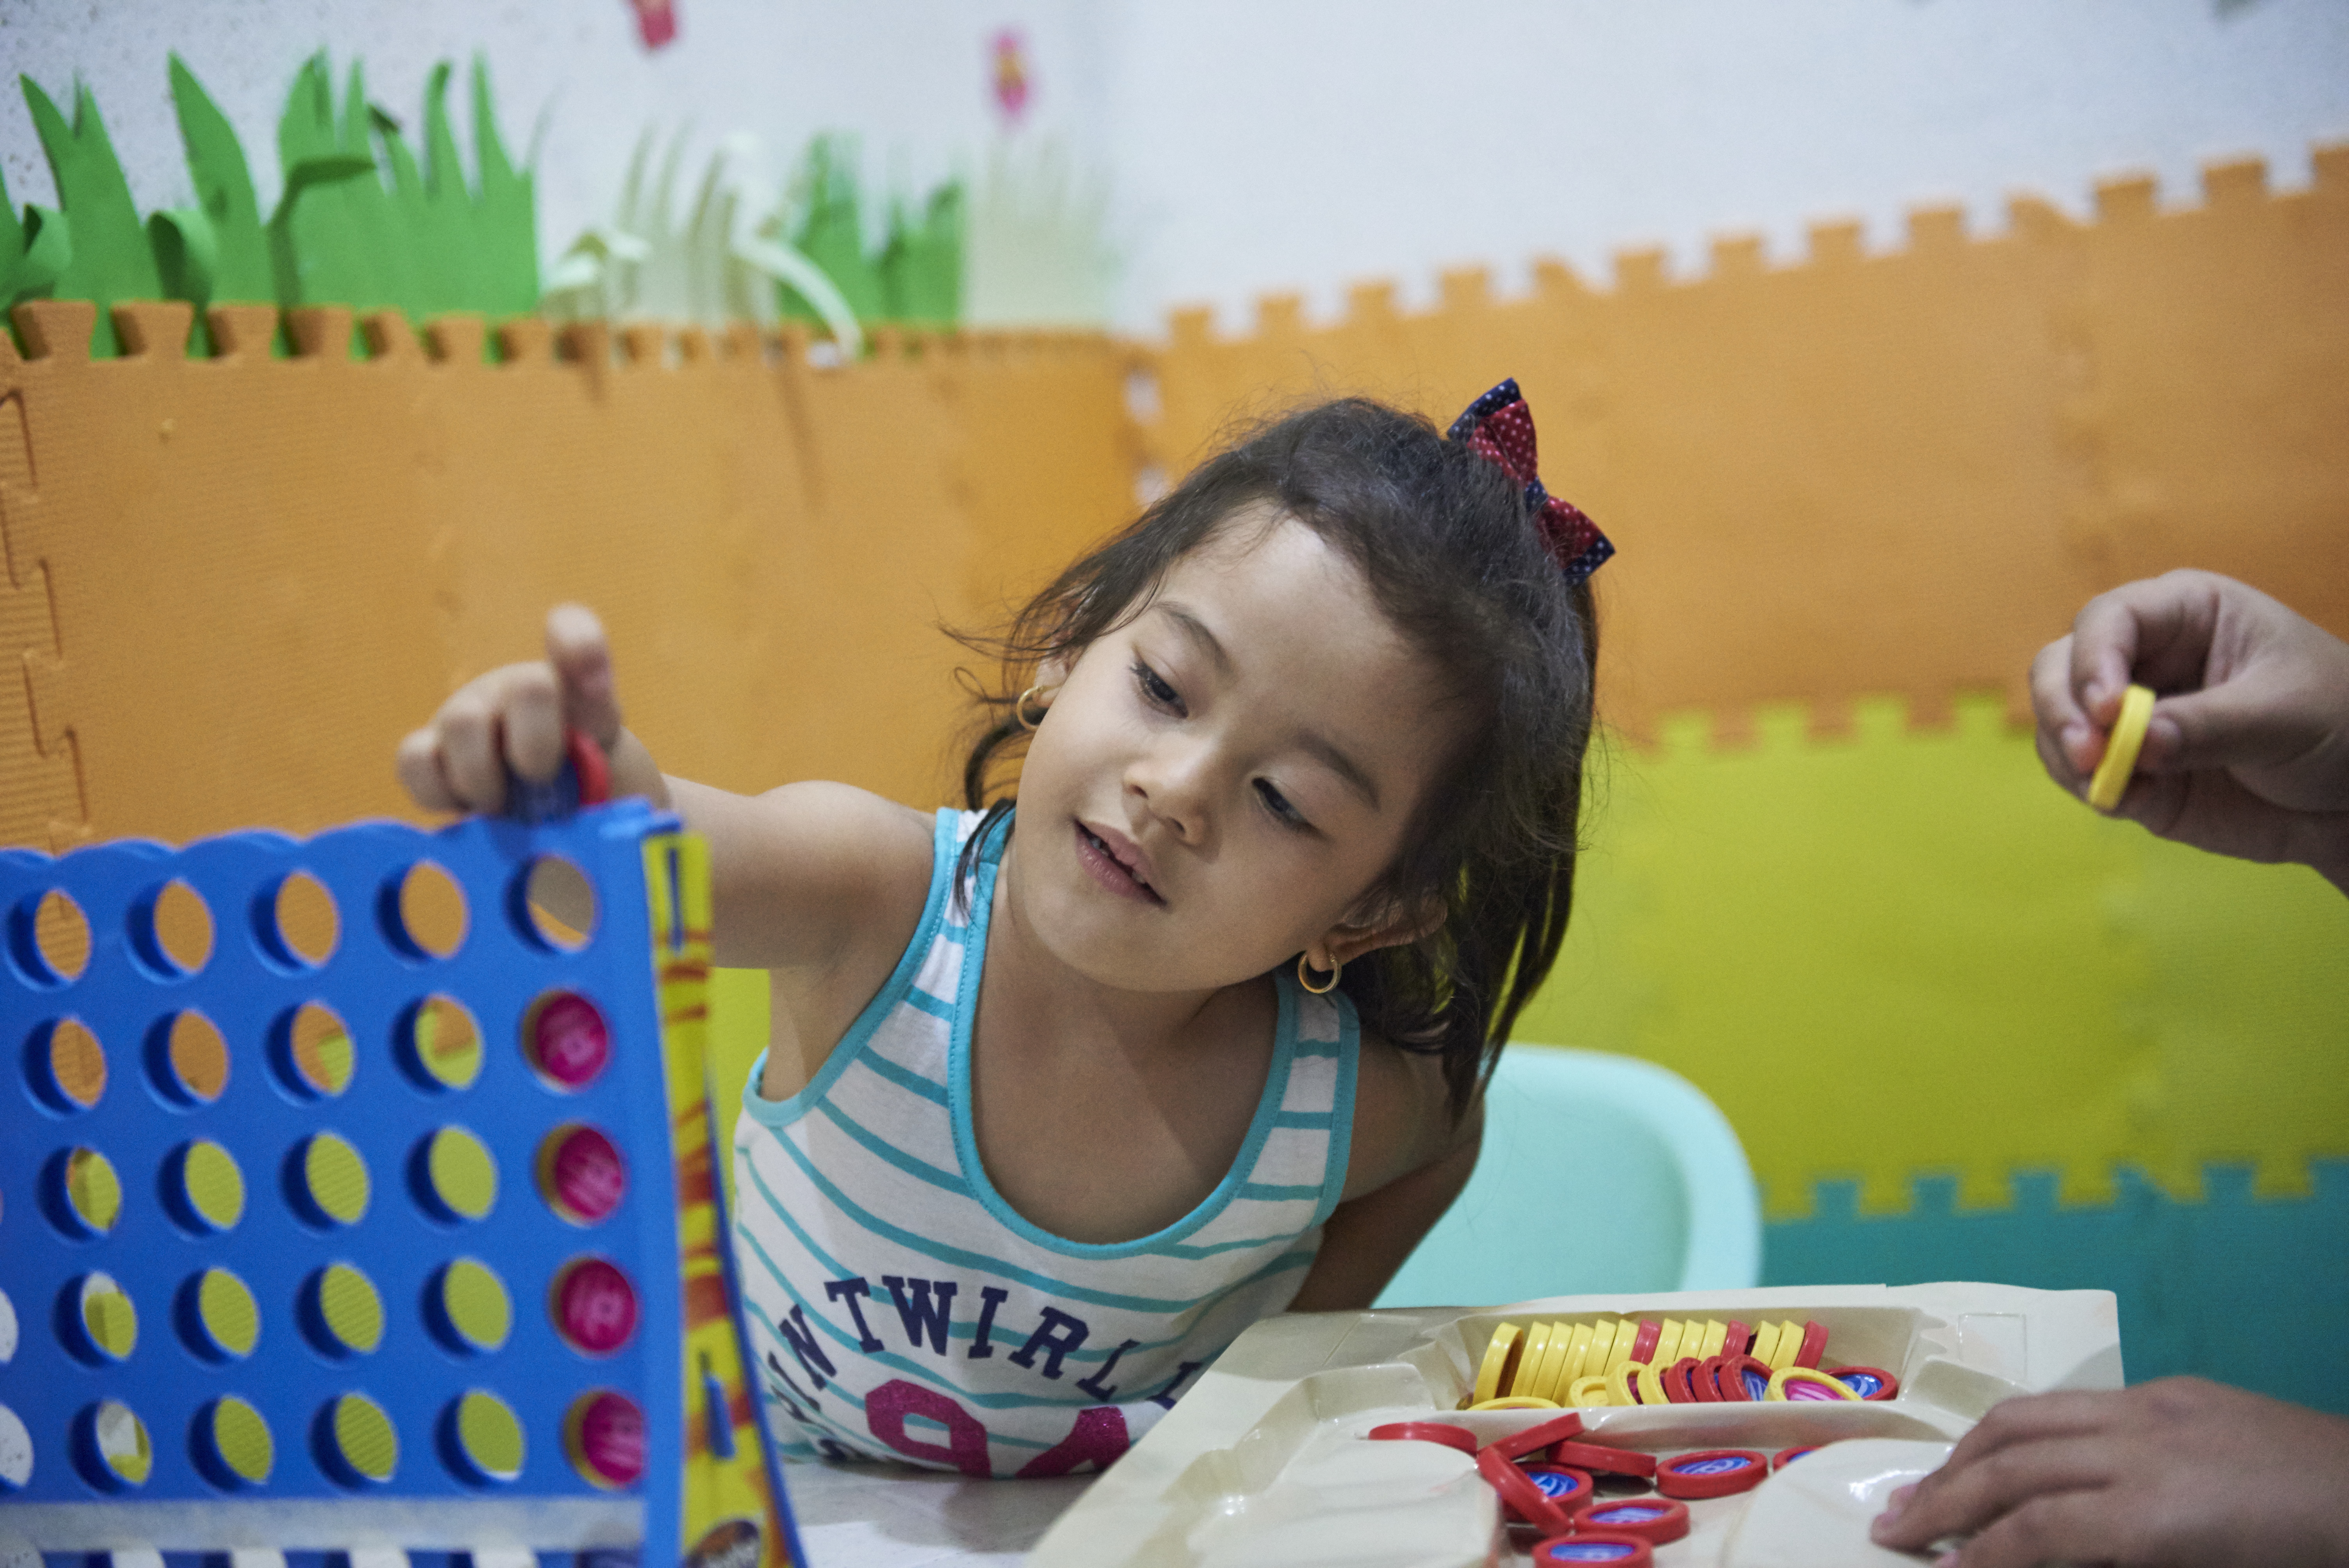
418	763
2067	739
1959	1499
2156	631
576	648
2082	1526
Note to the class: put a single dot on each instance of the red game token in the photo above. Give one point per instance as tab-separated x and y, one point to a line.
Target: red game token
1567	1487
1785	1457
1451	1437
1712	1472
1517	1445
1739	1340
1675	1379
1601	1460
1521	1497
1700	1381
594	770
569	1042
595	1307
1622	1551
580	1173
1656	1520
1814	1346
1867	1382
1643	1344
605	1432
1741	1380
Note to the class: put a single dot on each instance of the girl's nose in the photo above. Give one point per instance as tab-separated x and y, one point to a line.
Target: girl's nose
1172	776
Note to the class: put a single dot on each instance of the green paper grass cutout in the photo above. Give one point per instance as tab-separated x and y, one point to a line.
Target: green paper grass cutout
107	256
361	223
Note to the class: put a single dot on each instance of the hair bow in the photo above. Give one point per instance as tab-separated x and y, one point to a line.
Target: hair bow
1499	427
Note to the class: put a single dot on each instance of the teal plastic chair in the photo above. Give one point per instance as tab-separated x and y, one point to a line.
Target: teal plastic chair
1600	1175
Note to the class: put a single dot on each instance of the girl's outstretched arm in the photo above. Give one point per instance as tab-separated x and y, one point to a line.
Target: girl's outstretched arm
1408	1162
806	878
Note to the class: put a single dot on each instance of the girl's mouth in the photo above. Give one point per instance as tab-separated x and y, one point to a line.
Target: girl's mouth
1102	863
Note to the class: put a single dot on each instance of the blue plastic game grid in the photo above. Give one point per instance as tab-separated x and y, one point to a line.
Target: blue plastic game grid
375	978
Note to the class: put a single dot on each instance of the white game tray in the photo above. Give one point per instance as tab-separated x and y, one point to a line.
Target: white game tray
1265	1463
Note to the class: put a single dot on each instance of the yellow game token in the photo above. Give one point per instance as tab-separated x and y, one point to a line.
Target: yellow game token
1516	1402
1766	1344
1602	1345
1716	1334
1816	1385
1668	1343
1588	1393
1627	1334
2121	748
1790	1345
1496	1361
1577	1353
1561	1341
1521	1380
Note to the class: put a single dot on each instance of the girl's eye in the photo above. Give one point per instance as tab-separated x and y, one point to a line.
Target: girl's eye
1277	804
1155	688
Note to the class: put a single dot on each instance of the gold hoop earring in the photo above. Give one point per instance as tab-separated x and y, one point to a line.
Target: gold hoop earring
1020	708
1304	962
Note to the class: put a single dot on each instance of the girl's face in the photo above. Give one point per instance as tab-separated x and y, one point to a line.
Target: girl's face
1219	781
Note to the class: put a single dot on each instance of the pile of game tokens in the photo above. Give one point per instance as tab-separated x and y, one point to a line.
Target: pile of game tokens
1547	1476
1551	1366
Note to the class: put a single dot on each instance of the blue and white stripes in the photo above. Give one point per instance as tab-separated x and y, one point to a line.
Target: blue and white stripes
901	1309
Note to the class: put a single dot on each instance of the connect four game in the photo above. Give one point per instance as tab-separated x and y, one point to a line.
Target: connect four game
356	1198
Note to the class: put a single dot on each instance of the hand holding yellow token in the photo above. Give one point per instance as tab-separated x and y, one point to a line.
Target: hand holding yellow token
2121	749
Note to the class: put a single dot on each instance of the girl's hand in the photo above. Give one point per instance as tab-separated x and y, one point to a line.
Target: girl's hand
513	719
2248	750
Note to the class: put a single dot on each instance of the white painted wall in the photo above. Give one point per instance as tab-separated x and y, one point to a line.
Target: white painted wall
1260	145
1299	144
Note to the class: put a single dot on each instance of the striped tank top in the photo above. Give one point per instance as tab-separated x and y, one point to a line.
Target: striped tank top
900	1309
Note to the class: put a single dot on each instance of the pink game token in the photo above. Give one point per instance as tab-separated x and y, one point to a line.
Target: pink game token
569	1041
580	1174
605	1435
595	1307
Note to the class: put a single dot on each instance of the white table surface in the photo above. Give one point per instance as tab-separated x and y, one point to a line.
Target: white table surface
885	1516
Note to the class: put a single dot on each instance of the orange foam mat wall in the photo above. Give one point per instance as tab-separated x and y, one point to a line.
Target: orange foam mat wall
1893	474
235	582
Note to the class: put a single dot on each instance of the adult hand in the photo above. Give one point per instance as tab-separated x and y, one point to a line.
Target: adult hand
2248	750
512	720
2178	1472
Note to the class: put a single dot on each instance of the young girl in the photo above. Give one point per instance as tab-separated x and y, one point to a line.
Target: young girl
1058	1101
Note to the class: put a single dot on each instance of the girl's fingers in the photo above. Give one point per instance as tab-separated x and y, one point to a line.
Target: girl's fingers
582	661
471	752
532	709
418	763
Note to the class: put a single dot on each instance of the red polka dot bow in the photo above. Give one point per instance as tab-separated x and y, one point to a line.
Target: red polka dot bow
1499	427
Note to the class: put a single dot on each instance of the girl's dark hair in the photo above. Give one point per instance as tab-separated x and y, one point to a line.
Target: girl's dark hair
1453	559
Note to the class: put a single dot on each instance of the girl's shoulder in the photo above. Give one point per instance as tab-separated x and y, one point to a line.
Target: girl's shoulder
1402	1117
